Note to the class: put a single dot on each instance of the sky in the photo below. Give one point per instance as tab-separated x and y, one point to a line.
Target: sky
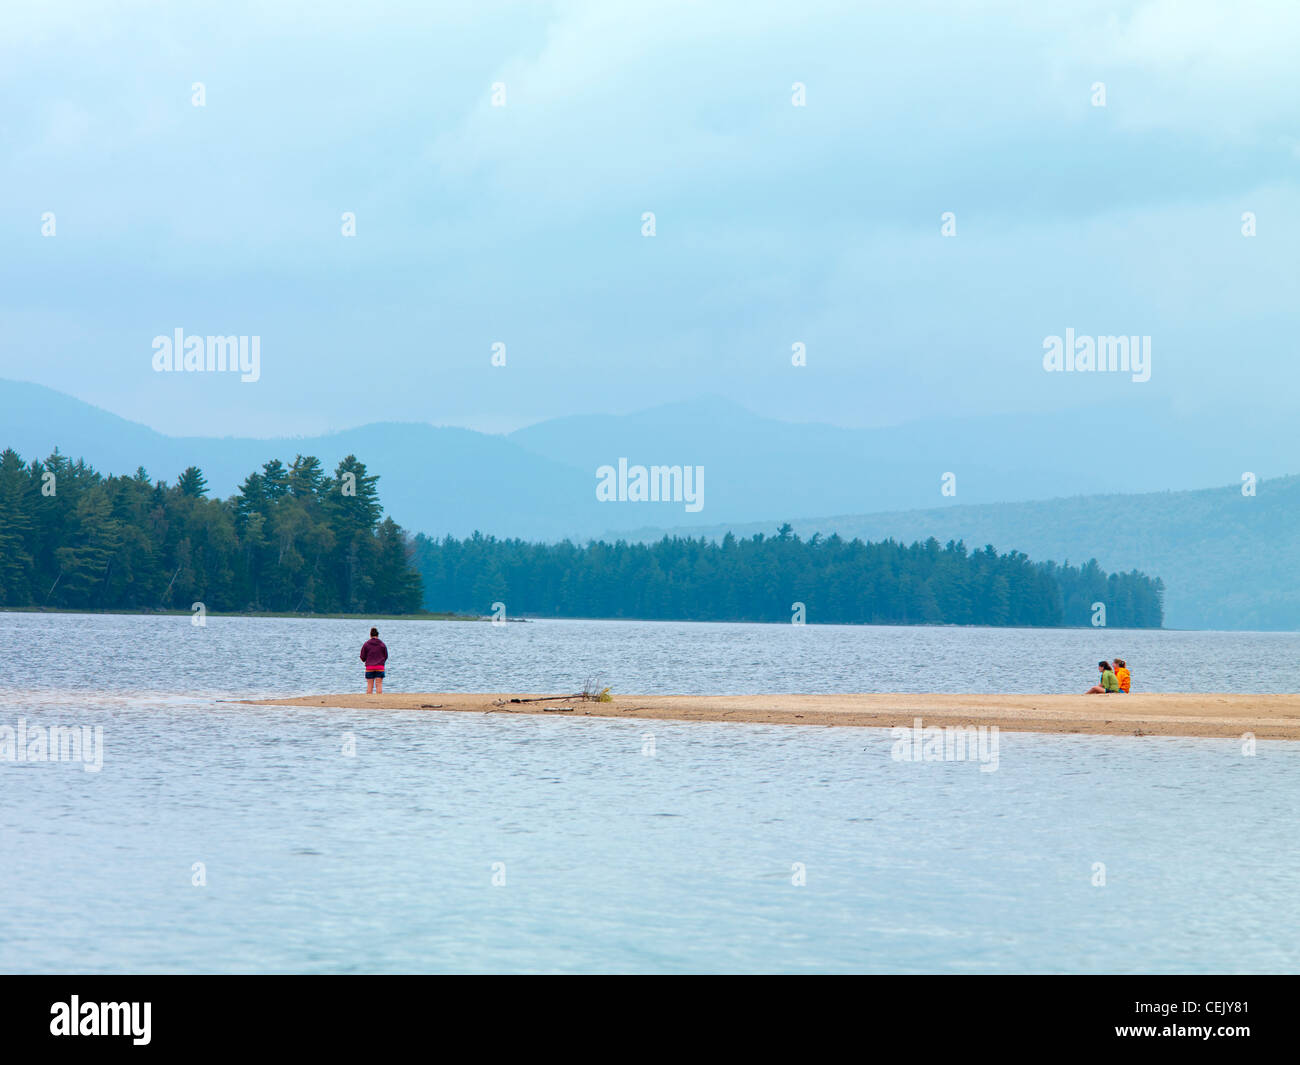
777	220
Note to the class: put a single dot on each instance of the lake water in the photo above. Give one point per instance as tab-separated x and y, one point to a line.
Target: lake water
625	846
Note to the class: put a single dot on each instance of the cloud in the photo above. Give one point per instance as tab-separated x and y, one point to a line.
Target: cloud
776	223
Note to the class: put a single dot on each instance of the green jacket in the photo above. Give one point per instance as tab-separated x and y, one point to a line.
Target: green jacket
1109	681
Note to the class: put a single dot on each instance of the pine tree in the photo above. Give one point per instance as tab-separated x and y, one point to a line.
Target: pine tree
17	566
192	482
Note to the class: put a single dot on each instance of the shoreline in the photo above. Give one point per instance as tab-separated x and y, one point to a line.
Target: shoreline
124	612
1211	714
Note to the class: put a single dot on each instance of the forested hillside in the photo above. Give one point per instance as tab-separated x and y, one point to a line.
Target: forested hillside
292	539
1229	555
760	578
296	539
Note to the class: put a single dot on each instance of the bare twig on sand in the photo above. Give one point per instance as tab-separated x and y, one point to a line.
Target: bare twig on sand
590	693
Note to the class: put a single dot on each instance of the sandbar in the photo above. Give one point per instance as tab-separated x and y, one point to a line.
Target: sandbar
1272	717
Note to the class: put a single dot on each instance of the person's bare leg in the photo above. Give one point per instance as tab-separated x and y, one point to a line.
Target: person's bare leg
379	685
1096	689
370	686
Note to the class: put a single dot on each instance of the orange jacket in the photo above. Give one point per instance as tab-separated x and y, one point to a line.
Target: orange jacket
1124	677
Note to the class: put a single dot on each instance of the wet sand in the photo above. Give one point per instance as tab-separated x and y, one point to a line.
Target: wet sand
1227	715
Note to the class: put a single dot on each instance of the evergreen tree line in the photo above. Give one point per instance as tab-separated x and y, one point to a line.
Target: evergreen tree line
760	578
293	539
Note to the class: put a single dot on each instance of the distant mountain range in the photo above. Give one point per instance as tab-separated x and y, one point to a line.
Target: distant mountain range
1223	556
433	480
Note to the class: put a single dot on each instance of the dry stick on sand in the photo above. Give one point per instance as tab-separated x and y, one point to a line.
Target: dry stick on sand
586	696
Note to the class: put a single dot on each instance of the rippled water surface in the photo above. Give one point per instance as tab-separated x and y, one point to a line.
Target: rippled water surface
625	846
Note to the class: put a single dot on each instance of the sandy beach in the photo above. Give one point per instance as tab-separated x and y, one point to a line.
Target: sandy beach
1274	717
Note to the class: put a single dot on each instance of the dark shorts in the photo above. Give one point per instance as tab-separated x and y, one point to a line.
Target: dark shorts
374	674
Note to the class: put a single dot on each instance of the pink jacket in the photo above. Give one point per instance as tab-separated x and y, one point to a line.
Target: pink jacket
373	653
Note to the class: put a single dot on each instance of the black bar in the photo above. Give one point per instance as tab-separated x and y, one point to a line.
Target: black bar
916	1014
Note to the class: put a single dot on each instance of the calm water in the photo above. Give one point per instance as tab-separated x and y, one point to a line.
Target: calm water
615	859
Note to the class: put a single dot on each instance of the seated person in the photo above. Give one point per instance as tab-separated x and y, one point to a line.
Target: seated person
1122	675
1108	683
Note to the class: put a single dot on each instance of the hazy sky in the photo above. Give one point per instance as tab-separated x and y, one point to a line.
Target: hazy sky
522	224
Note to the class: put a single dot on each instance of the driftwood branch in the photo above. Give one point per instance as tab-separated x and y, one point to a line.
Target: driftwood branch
167	590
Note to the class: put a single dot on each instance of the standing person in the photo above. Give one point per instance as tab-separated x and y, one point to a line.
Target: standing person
1108	683
1122	675
374	654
